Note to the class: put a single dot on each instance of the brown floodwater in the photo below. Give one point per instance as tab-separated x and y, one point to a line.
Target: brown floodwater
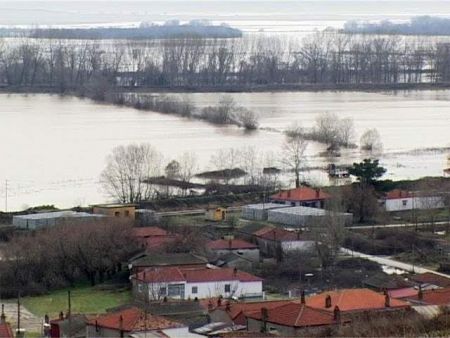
53	148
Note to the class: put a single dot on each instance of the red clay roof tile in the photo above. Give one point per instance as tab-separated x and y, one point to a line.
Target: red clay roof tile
6	331
302	194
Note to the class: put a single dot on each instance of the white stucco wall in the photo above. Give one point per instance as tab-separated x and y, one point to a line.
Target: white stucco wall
297	245
411	203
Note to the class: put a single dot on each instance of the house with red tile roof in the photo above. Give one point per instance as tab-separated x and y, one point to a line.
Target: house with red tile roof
273	240
222	247
431	279
303	196
191	283
352	301
430	297
5	328
127	321
153	238
294	319
398	200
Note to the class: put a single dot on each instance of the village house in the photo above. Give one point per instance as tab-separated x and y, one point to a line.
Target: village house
303	196
154	260
194	283
233	260
5	329
353	301
130	322
273	241
152	238
294	319
235	312
430	280
222	247
74	327
115	210
400	200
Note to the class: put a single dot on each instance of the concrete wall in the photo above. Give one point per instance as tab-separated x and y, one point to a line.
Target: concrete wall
281	330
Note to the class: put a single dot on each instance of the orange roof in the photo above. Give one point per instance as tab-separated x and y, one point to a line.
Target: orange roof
232	244
133	319
398	194
157	242
192	275
148	232
431	278
296	315
6	331
302	194
349	300
433	297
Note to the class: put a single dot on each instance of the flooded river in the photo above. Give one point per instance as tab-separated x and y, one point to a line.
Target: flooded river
53	149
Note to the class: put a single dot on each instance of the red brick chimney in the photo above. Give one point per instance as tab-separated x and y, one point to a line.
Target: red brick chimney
337	314
302	297
328	301
387	300
230	244
420	293
61	315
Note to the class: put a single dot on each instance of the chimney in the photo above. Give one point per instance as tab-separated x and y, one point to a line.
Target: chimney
61	315
219	301
264	318
289	194
337	314
46	319
420	294
230	244
317	193
144	275
387	300
228	306
328	301
121	325
235	271
302	297
3	316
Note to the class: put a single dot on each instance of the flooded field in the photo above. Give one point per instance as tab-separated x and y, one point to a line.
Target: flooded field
53	149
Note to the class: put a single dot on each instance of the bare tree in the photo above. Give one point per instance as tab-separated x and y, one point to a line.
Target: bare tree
293	152
371	141
126	171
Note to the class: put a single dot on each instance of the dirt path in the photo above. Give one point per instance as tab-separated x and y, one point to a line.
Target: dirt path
28	321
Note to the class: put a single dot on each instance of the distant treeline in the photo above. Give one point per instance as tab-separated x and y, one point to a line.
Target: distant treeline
137	33
323	59
422	25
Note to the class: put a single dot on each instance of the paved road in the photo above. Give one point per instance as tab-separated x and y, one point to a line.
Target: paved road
29	322
391	262
394	225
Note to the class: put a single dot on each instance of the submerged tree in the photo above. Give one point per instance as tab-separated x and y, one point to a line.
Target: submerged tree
371	140
126	172
293	152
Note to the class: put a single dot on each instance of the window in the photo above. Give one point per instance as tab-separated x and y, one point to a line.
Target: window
127	213
405	202
195	289
117	214
162	291
227	288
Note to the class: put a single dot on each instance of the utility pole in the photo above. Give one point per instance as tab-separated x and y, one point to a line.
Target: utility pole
18	333
69	314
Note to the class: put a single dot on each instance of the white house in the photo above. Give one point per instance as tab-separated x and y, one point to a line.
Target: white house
399	200
191	283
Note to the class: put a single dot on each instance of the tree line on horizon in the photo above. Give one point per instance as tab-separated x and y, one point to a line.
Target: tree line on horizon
324	58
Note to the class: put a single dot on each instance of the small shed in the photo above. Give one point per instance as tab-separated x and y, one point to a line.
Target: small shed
306	216
216	214
115	210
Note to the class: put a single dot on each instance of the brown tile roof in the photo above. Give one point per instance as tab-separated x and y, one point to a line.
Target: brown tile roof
397	194
431	278
433	297
192	275
133	319
6	331
354	300
279	234
296	315
302	194
232	244
148	232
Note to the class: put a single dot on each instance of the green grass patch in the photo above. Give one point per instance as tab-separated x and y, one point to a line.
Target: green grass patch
85	299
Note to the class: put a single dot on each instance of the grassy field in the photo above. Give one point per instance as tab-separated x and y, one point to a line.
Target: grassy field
85	299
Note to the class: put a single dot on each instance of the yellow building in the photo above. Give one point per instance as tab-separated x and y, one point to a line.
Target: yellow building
116	210
216	214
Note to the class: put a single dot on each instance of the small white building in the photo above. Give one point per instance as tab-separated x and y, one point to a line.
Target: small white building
191	283
401	200
301	216
259	212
